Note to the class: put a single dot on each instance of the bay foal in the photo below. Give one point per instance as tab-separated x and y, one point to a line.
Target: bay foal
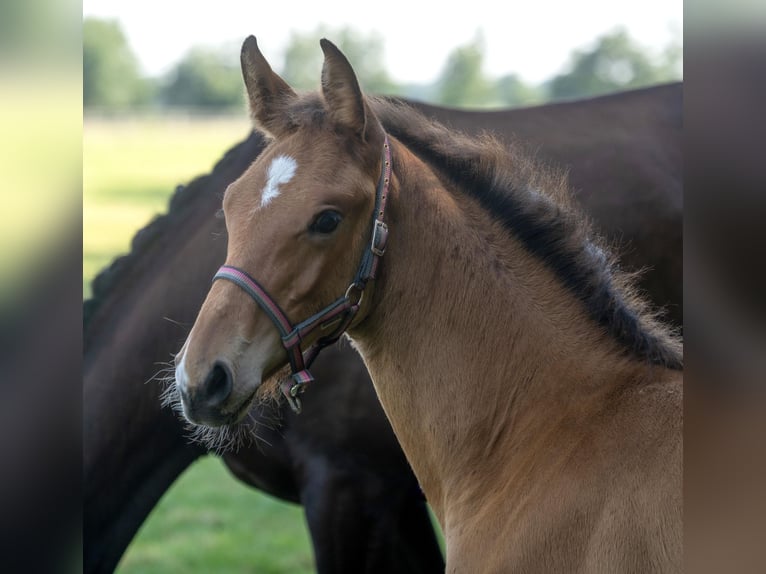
537	400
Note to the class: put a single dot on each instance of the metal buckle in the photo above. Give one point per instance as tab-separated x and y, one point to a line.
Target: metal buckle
379	237
292	398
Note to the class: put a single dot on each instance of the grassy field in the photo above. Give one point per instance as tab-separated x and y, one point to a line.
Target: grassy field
207	522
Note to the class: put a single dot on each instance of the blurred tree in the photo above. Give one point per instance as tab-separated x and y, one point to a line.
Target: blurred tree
205	78
511	91
303	59
615	63
671	65
111	78
463	82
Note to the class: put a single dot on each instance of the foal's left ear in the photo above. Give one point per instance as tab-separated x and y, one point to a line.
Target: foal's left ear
268	94
345	101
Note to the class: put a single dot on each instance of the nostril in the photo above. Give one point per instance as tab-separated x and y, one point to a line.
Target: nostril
218	385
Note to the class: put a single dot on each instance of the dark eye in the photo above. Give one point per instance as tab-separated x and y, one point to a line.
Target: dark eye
326	222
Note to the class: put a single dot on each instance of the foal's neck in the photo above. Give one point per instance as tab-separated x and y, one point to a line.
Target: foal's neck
473	344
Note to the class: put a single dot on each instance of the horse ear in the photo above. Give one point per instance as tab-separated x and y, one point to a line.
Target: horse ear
268	94
340	88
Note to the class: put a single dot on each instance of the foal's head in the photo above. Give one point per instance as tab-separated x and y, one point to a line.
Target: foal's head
298	222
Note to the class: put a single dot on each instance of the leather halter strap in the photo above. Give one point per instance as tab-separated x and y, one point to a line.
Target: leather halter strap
338	315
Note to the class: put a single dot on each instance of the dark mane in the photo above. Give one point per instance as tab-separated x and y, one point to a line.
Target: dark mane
534	204
124	265
103	283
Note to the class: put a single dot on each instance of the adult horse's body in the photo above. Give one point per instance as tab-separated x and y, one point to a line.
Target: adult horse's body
126	335
536	399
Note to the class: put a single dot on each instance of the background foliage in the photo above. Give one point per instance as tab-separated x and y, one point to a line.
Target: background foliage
615	62
111	78
205	78
303	59
208	78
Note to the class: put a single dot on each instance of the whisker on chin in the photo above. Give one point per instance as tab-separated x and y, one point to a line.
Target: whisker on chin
217	439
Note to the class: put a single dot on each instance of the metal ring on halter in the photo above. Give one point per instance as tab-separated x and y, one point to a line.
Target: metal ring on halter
292	399
359	289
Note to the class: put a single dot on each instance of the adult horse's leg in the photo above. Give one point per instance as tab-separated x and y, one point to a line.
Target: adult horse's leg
387	527
415	526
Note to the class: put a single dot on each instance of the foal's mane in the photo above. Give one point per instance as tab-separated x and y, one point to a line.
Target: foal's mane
535	205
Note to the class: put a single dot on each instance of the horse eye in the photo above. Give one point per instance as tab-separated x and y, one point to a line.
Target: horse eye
326	222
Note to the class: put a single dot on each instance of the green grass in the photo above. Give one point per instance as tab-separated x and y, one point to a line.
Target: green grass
208	521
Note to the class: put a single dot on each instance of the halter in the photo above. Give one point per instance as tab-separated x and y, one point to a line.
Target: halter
337	315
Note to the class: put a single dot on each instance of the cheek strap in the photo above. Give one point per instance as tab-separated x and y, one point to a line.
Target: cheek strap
334	319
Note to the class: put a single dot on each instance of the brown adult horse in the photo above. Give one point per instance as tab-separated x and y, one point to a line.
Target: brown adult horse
536	398
126	335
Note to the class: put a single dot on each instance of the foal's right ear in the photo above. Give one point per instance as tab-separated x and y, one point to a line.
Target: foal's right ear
268	94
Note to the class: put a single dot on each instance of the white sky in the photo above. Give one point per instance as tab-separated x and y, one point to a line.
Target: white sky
531	38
